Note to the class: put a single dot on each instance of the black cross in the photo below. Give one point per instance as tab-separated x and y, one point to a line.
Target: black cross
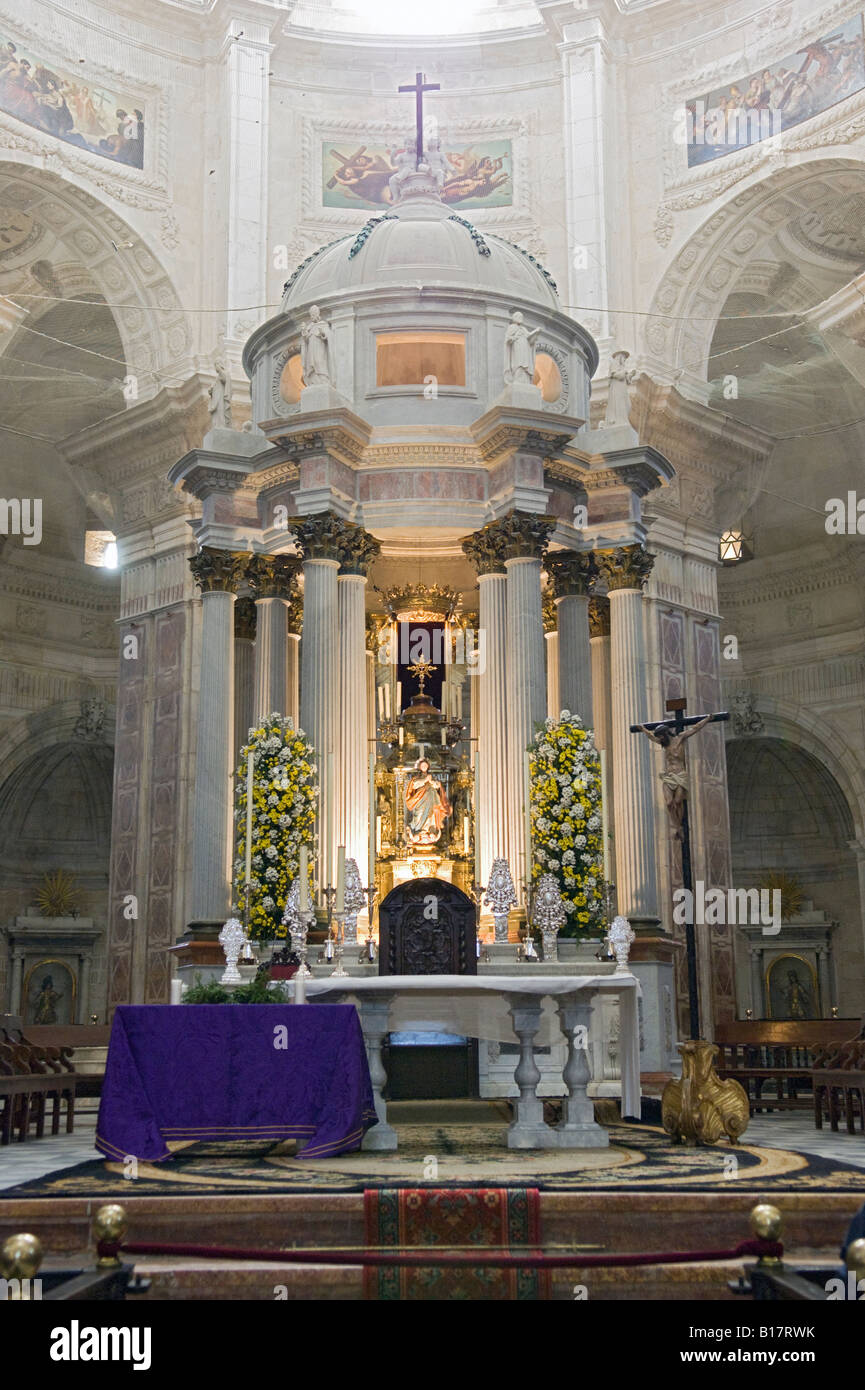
419	86
676	725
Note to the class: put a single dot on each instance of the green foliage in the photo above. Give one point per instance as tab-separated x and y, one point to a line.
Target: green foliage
256	991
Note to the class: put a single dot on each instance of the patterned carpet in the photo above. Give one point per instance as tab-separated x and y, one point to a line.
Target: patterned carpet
640	1159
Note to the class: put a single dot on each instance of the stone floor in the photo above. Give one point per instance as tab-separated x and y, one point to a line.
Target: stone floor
38	1157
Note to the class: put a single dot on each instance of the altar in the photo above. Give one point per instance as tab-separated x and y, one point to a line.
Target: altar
535	1011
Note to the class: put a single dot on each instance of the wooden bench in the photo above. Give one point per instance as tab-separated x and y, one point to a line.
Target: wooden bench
838	1078
29	1074
77	1042
774	1059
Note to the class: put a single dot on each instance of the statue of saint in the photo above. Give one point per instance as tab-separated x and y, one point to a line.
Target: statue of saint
315	350
674	778
427	807
619	396
519	353
219	403
46	1002
797	997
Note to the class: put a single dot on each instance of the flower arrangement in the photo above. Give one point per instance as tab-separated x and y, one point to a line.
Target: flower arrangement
284	791
565	783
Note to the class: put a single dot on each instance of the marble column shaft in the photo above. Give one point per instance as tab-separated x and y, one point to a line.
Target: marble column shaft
602	708
271	640
633	769
353	766
554	703
572	574
319	686
244	673
212	836
493	819
292	677
526	688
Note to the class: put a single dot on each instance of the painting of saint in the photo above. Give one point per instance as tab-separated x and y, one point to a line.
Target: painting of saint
777	97
478	175
427	807
94	118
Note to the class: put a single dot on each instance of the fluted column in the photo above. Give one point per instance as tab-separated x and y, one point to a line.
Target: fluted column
244	671
551	642
217	574
486	552
294	612
357	552
573	573
602	709
272	579
625	571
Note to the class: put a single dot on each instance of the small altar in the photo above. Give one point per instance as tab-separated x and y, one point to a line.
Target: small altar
534	1010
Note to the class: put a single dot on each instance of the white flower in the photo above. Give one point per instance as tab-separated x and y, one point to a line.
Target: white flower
569	857
549	723
553	863
273	799
565	714
271	851
271	875
594	821
579	841
268	904
546	750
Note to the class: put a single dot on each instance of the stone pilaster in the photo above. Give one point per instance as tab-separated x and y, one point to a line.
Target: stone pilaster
273	580
319	540
357	552
217	574
573	573
486	552
625	571
244	671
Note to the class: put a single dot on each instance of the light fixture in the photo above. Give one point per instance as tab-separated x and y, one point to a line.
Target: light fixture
733	547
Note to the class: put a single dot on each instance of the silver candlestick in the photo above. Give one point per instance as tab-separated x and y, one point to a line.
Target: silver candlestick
231	939
306	920
353	901
338	970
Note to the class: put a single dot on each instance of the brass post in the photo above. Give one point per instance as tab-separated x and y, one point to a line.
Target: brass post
20	1258
766	1224
109	1224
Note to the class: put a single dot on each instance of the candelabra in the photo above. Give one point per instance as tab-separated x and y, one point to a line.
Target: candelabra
306	919
620	936
353	900
453	730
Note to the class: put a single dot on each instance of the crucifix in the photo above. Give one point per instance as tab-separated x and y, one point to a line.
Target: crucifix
419	86
422	669
671	735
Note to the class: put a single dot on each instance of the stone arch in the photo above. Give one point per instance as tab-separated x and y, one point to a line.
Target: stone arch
78	228
690	296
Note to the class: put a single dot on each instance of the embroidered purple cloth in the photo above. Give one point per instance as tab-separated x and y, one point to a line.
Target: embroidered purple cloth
234	1071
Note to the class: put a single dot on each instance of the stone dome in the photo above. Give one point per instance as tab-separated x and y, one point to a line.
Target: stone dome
420	242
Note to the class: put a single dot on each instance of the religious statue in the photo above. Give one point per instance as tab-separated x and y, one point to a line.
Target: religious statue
46	1001
385	815
315	350
426	805
519	352
406	165
437	163
619	397
674	778
219	402
797	997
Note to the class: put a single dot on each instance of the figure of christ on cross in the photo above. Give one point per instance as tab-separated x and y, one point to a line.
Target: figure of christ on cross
419	86
674	778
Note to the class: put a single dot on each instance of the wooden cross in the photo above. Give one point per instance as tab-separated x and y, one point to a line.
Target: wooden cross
674	727
419	86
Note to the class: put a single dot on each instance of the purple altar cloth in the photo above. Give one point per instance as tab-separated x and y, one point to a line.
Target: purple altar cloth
234	1071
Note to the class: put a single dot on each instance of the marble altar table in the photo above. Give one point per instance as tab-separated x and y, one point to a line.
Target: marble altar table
534	1011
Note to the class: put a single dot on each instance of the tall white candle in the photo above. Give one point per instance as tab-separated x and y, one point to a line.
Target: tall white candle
249	775
299	989
176	991
604	825
374	829
303	898
381	703
386	689
329	823
401	735
477	819
339	904
458	692
465	835
444	737
398	699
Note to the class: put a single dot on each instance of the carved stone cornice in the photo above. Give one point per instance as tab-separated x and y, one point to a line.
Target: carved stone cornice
626	567
337	432
202	478
244	619
641	477
524	534
218	571
486	550
272	576
511	436
357	551
599	616
572	572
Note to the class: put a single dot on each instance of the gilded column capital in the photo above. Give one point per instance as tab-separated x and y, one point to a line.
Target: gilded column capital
548	608
357	551
294	616
626	567
244	619
525	535
217	571
572	572
272	576
485	549
599	616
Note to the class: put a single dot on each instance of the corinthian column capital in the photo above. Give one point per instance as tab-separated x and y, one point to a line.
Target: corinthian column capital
626	567
572	572
217	571
485	549
599	617
322	536
357	551
272	576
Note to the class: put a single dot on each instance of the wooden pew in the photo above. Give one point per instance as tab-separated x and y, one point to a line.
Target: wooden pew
777	1056
28	1076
